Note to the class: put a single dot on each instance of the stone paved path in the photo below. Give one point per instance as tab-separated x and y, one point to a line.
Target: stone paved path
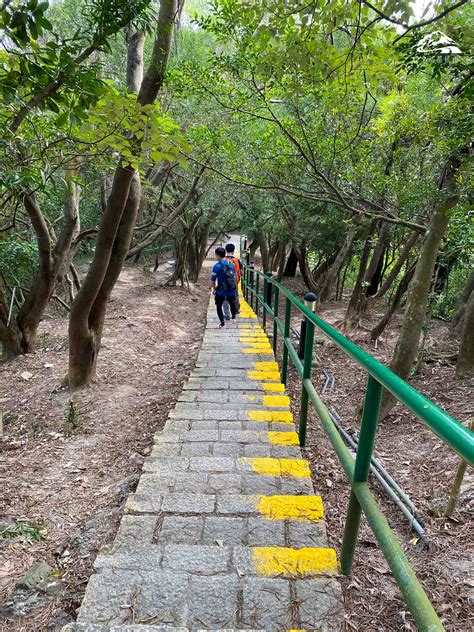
224	530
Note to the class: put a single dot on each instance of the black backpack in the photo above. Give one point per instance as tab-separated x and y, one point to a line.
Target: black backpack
229	281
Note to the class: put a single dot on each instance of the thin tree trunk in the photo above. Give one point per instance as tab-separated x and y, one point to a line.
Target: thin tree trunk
263	245
458	318
353	309
136	44
387	284
465	366
372	276
302	256
394	303
407	346
113	240
342	256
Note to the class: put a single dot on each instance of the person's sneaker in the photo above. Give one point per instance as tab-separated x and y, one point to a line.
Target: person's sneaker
221	325
233	322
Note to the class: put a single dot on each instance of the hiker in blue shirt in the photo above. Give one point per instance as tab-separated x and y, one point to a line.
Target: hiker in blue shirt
224	285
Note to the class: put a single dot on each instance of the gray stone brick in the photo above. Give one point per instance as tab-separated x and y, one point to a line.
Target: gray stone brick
228	530
296	486
166	450
189	503
166	464
197	449
142	556
135	530
232	450
196	559
286	452
180	530
147	503
242	436
259	450
267	604
266	485
236	504
191	483
212	464
213	601
223	482
155	483
261	532
301	534
320	604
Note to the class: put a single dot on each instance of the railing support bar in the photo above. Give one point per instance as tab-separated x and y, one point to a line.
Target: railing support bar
373	397
286	335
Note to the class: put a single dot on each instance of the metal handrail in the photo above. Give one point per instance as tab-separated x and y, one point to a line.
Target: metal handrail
453	433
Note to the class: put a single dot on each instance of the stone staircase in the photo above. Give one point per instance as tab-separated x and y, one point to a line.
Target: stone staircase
224	531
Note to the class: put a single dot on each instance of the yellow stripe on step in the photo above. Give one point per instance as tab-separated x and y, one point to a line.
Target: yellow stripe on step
300	508
276	416
263	375
283	438
274	561
266	366
268	351
272	388
276	401
298	468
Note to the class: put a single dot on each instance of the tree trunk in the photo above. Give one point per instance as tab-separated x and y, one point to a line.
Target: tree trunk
393	305
354	308
302	256
113	240
19	335
387	284
458	318
465	366
136	44
291	264
373	274
342	256
263	245
407	346
280	259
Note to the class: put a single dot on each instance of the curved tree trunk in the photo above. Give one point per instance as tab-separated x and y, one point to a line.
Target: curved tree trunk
342	256
302	256
387	284
465	366
263	245
394	303
407	346
113	240
358	295
374	271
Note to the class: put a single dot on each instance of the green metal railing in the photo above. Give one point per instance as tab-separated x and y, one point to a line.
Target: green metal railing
263	293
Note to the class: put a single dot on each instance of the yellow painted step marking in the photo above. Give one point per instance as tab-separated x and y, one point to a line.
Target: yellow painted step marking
267	466
276	416
263	375
274	388
274	561
257	345
268	351
266	366
283	438
276	401
300	508
247	325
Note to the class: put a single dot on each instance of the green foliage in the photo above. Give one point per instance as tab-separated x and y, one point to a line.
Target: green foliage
17	260
32	532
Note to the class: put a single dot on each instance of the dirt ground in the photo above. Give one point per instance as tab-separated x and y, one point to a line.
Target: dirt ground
69	460
421	465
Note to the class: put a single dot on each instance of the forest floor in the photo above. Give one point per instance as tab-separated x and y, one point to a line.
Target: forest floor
418	461
69	460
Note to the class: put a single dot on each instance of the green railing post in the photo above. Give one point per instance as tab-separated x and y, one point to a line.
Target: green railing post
264	311
252	282
276	297
257	287
286	335
310	302
368	428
